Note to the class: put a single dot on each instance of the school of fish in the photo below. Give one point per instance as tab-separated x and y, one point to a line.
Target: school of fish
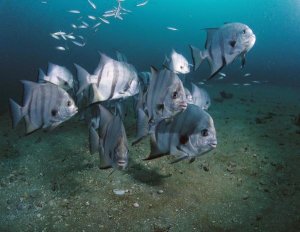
171	112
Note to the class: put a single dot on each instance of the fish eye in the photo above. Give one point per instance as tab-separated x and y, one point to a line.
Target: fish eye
53	112
244	31
175	95
181	67
65	83
69	103
204	132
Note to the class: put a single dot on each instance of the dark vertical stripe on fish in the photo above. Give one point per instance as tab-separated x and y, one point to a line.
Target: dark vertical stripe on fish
115	79
100	75
221	41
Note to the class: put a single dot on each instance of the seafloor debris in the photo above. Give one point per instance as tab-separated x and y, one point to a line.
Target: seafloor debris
297	120
226	95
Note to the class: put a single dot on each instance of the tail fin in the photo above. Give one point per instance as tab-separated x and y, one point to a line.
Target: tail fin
16	112
83	78
198	56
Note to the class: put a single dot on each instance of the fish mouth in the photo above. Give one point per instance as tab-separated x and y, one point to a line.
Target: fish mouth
183	105
122	164
213	145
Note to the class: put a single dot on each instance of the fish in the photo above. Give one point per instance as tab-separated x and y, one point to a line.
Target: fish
54	36
256	82
58	75
91	17
60	48
107	136
221	78
246	84
142	3
82	26
104	20
74	26
164	98
92	4
190	134
78	43
223	45
85	23
96	25
74	11
112	79
235	84
200	97
172	28
70	36
45	106
177	63
247	75
222	74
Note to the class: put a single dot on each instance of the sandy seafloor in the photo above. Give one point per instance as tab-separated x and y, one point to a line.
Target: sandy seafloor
250	182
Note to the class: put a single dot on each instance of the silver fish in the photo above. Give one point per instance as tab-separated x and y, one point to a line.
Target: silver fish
177	63
60	48
45	106
172	28
112	79
92	4
108	136
223	45
247	75
74	11
191	133
142	3
200	97
164	98
58	75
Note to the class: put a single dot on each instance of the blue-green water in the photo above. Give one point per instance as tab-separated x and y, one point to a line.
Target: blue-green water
26	44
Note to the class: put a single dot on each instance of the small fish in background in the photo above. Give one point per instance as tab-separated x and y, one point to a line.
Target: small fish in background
246	84
44	2
200	97
223	45
74	26
57	75
172	28
235	84
164	98
247	75
222	74
256	82
93	5
45	106
191	133
54	36
142	3
97	25
91	17
177	63
111	79
60	48
201	83
104	20
74	11
78	43
108	137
